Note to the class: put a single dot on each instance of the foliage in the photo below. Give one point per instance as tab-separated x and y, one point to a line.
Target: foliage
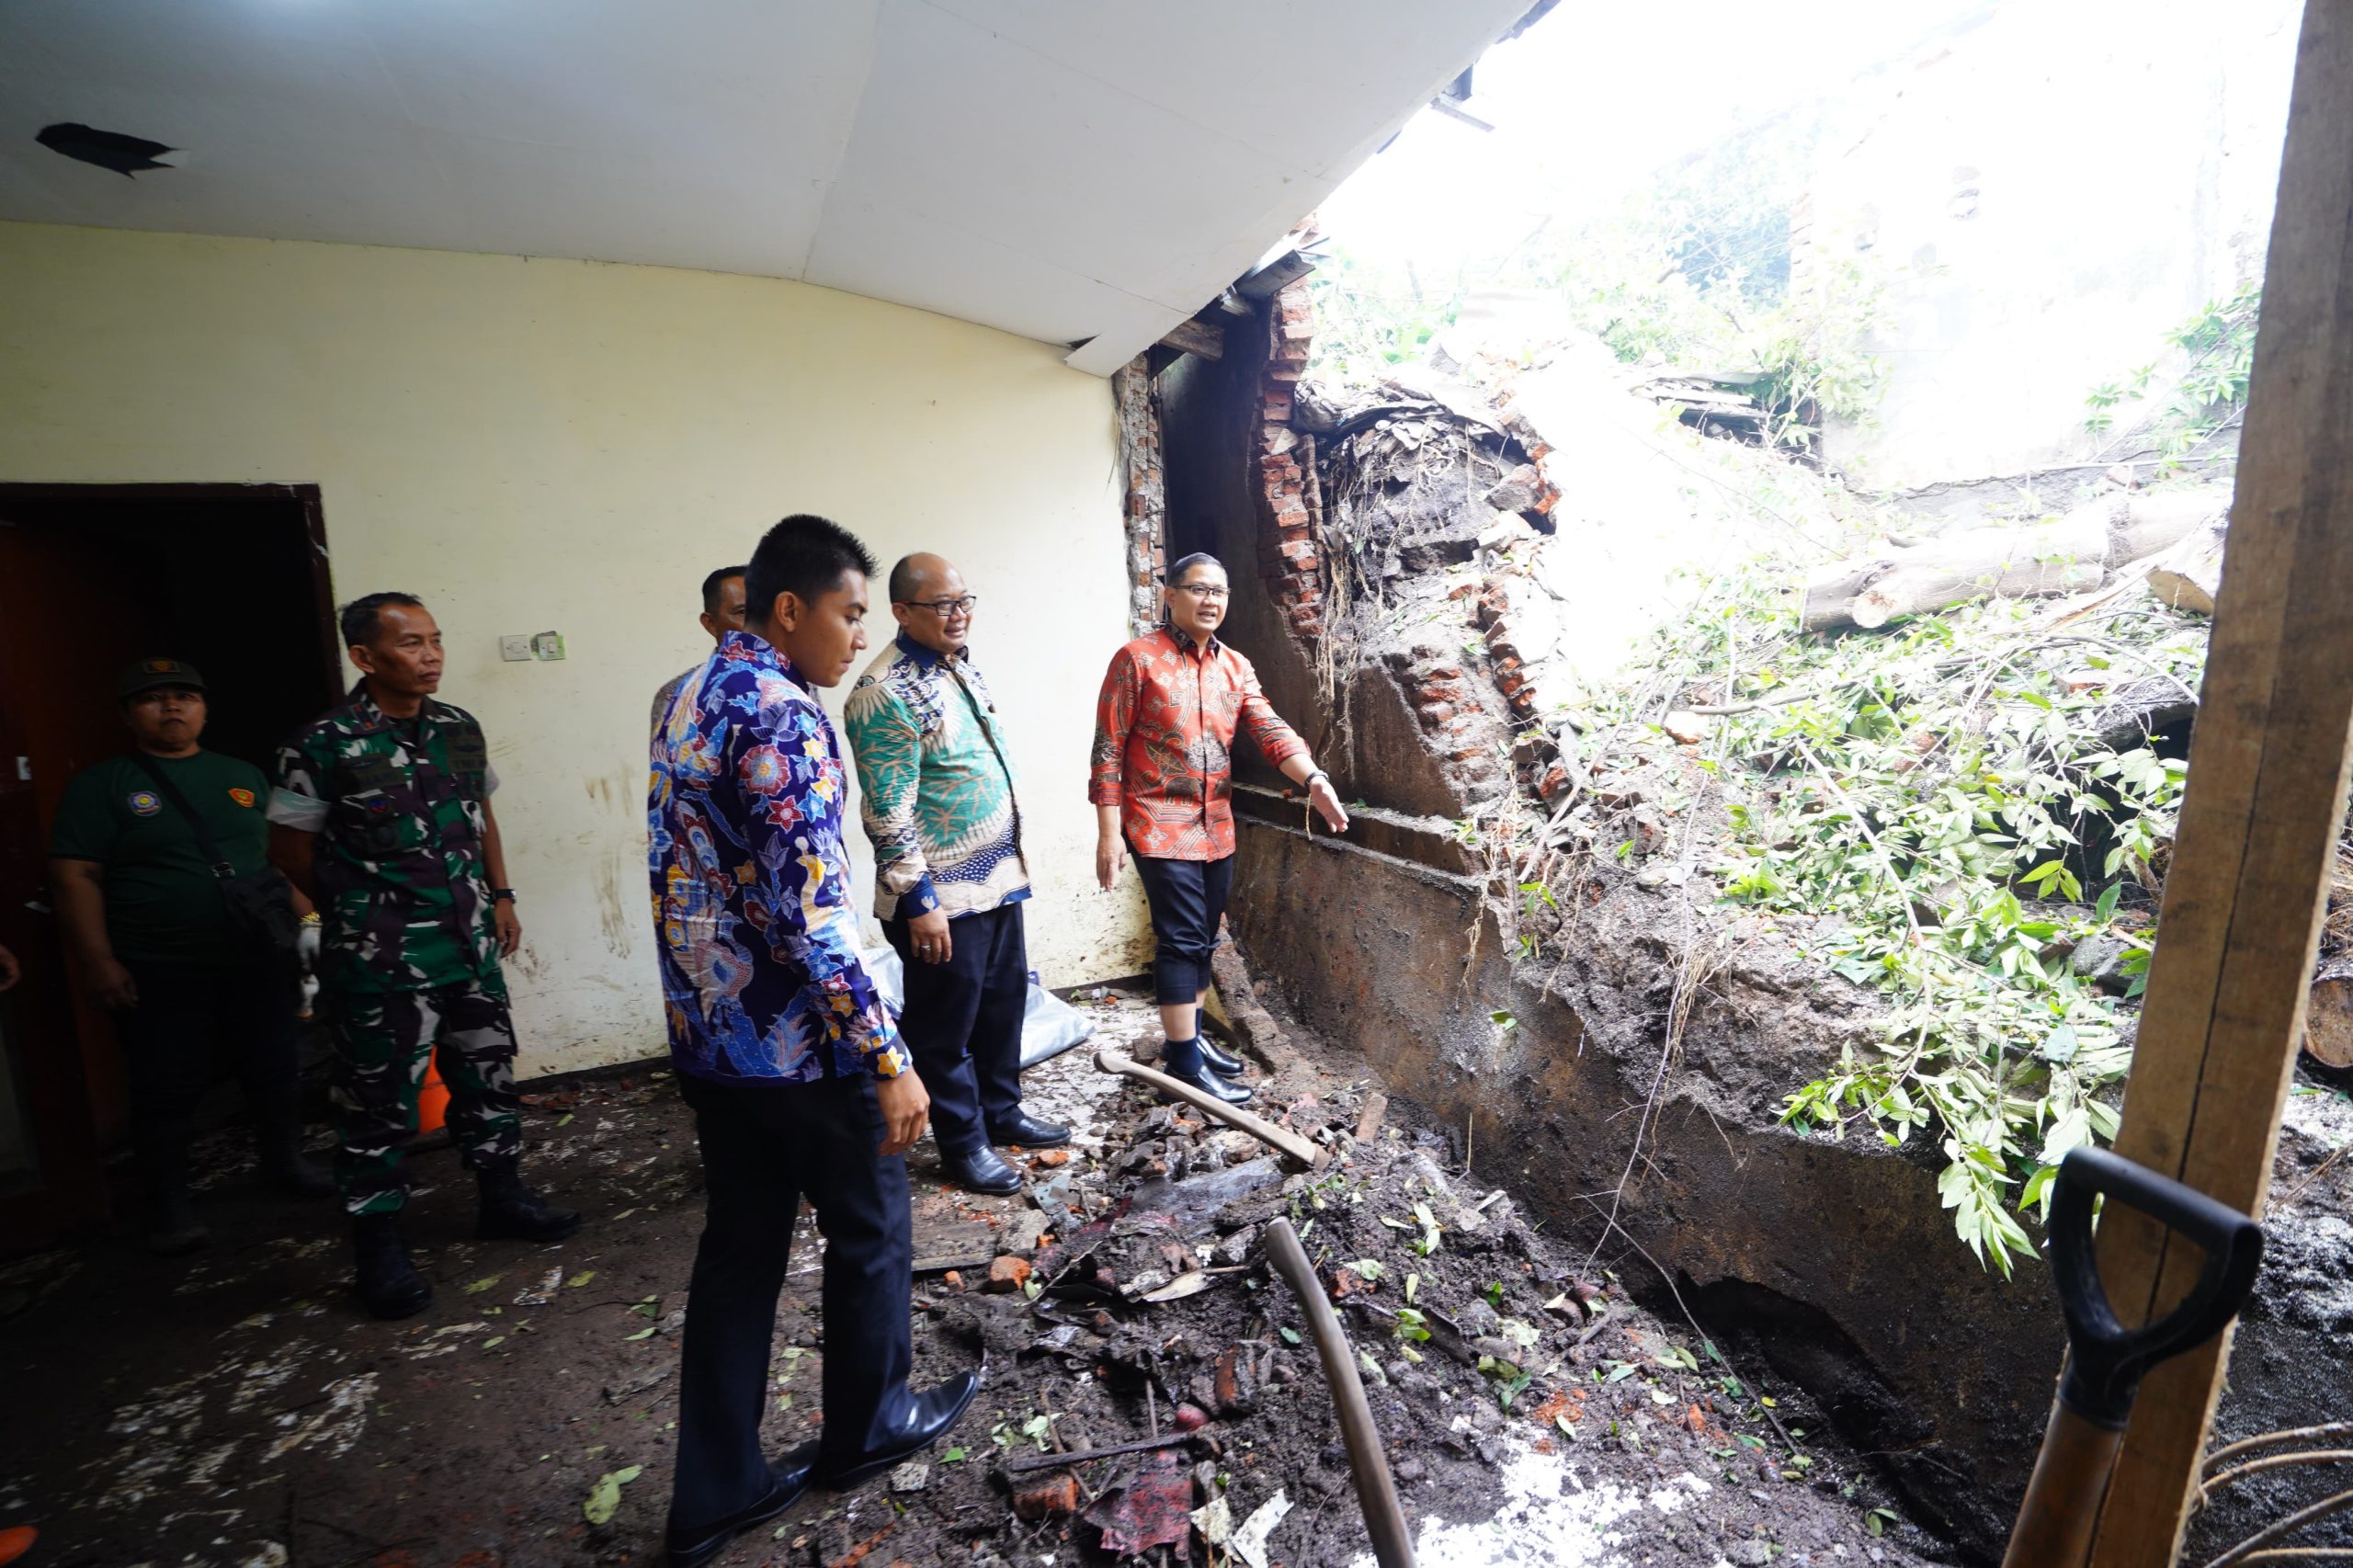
2209	390
1935	789
1663	283
1369	316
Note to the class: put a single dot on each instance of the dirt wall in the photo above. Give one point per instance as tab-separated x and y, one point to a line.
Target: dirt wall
1832	1259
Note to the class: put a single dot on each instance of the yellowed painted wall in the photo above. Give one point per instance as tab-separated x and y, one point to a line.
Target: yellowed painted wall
536	444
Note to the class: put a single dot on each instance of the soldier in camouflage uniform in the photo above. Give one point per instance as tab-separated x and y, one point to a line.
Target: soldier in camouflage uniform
381	814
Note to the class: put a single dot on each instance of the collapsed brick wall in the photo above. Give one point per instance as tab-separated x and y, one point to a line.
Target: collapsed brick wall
1144	509
1288	501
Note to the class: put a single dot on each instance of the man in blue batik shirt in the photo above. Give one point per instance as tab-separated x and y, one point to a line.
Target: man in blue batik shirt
791	1061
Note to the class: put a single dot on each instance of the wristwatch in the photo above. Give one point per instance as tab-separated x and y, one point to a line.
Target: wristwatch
506	893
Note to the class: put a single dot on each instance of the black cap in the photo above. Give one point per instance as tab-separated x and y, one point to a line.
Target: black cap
146	675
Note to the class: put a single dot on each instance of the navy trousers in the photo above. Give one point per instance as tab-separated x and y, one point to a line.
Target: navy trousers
1188	900
962	1023
764	1149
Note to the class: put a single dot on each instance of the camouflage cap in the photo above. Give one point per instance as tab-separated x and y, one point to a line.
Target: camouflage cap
146	675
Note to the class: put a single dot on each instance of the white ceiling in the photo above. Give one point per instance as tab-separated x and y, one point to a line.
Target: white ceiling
1062	170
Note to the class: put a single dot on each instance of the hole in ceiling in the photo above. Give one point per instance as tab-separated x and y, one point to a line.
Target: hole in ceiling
126	155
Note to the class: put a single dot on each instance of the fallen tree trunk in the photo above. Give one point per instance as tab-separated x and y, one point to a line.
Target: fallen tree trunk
2071	554
2066	557
2191	573
2328	1014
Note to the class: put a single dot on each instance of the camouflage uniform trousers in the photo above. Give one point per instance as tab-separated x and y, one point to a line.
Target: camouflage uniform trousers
383	1043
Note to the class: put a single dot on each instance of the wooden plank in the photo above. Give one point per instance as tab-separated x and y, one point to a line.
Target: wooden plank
1206	339
2267	790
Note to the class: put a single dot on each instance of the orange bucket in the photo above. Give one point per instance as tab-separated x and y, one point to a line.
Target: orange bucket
432	1100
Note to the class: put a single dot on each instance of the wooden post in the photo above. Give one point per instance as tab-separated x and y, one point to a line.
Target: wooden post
2264	800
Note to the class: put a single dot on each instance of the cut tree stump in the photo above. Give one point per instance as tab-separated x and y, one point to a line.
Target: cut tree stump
2328	1014
2190	573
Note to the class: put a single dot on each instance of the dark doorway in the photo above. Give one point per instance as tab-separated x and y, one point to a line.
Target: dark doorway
232	578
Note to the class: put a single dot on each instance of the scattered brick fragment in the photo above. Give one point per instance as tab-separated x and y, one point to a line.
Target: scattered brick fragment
1052	1497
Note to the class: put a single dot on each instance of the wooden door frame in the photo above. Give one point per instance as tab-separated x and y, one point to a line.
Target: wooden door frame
73	1191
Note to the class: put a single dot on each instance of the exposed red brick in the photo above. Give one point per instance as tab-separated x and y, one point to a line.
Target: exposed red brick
1007	1274
1054	1496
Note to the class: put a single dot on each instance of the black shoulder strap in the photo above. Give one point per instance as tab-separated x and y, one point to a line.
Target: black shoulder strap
204	842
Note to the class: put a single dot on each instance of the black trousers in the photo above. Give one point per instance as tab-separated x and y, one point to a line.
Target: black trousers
962	1023
1188	900
191	1018
764	1149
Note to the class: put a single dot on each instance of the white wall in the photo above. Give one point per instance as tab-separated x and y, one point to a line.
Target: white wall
2063	182
533	445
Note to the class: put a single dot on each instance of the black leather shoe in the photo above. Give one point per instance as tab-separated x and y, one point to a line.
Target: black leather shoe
1209	1084
1029	1132
697	1544
1224	1064
982	1170
932	1413
173	1228
512	1211
388	1282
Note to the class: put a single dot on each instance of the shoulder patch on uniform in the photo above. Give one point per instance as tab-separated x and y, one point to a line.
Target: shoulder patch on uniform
243	797
144	802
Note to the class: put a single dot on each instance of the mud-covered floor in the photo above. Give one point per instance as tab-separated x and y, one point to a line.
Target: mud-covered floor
234	1408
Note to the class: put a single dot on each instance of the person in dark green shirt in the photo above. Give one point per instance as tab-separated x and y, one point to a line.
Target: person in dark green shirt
143	912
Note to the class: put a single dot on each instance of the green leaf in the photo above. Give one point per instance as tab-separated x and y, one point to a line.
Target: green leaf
2105	910
1291	1335
605	1498
485	1283
583	1277
647	1333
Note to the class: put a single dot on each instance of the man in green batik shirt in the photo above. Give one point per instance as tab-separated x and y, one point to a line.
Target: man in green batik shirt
936	795
382	815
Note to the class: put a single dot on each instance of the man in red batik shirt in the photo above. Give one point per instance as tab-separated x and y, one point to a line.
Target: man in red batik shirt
1163	782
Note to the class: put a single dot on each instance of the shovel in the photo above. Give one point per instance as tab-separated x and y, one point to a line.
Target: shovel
2105	1359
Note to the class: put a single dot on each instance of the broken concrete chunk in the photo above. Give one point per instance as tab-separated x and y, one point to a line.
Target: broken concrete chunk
1686	728
912	1476
1027	1229
1234	1250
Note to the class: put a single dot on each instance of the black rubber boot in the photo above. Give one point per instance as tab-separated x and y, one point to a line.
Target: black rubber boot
1224	1064
1209	1084
388	1283
512	1211
285	1169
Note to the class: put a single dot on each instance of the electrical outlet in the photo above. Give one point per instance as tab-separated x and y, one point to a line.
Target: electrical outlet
515	647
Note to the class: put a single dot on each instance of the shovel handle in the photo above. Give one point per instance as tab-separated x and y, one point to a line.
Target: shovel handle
2105	1359
2054	1528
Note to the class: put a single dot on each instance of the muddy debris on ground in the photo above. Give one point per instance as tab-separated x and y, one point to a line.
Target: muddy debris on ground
1149	1391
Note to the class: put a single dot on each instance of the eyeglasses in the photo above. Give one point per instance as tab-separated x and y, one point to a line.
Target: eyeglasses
1209	592
945	608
